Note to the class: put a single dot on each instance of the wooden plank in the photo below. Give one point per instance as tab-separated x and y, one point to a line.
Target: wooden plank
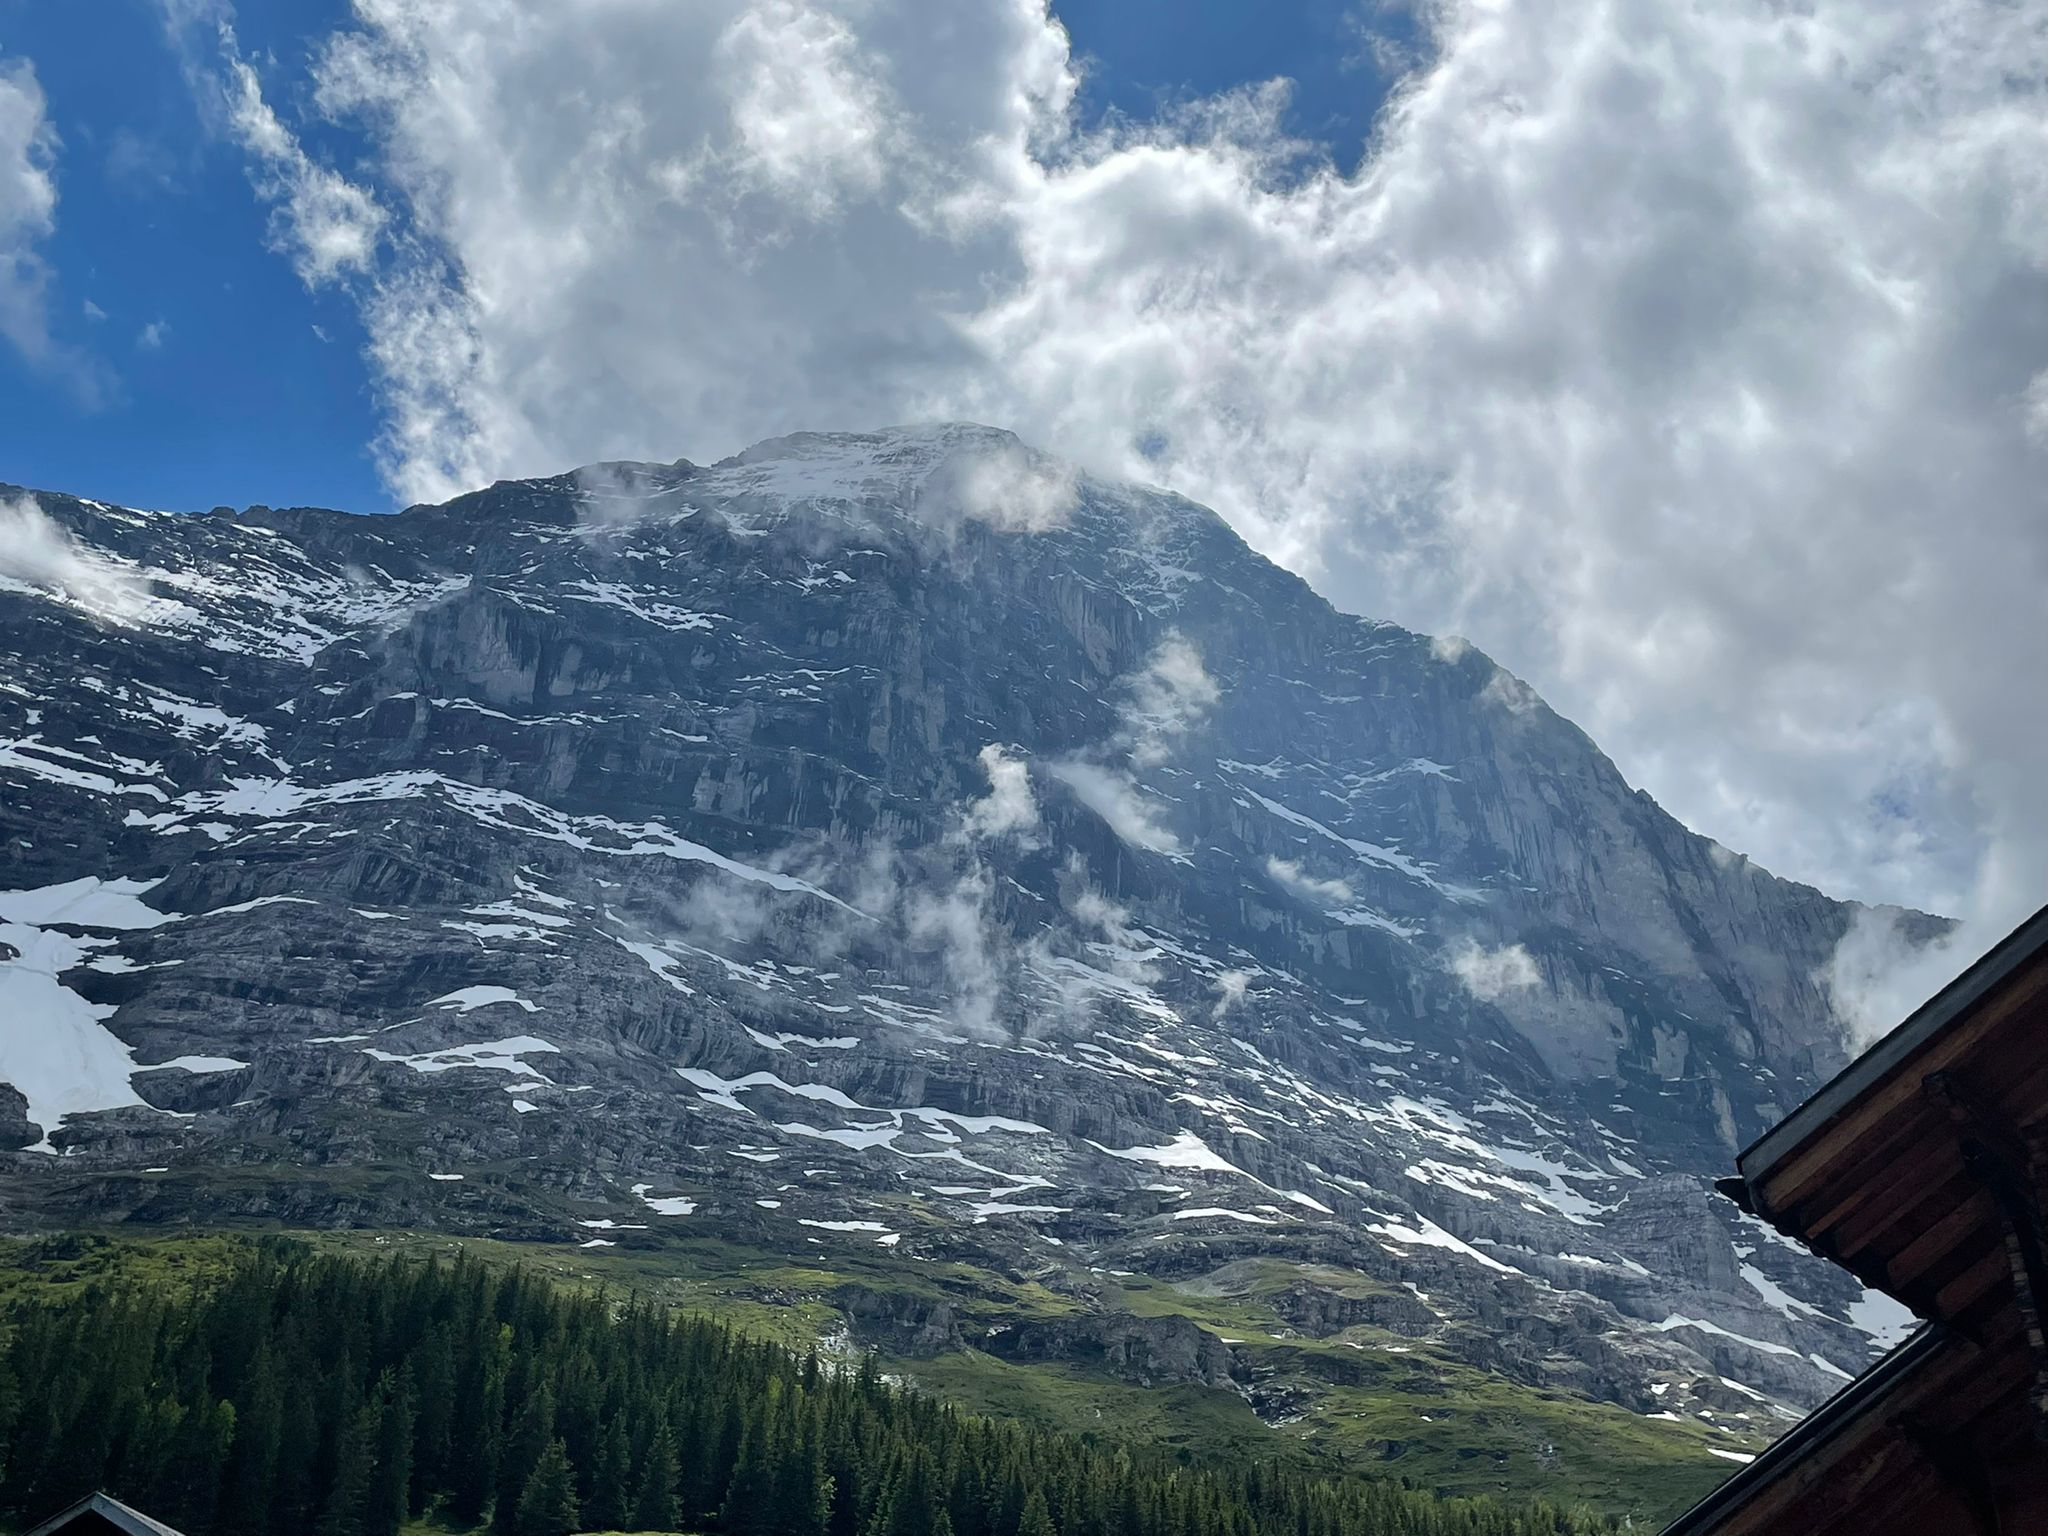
1859	1459
1987	1274
1910	1206
1978	1213
1918	1149
1911	1498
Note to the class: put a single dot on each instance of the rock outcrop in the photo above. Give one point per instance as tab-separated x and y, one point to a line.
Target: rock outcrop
890	841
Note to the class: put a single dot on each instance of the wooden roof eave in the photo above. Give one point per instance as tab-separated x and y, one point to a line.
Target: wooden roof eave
1856	1081
1839	1415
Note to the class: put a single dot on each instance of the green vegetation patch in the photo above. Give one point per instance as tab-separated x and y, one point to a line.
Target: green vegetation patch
276	1386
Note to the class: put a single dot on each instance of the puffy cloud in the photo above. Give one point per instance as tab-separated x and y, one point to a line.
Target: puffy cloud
810	117
1490	974
1009	808
1166	700
1688	358
1003	485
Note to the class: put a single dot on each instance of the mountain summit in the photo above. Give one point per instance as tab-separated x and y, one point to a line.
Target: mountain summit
906	846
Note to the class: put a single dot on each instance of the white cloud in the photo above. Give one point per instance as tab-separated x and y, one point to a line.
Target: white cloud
1113	795
1157	705
809	114
1166	700
326	224
28	218
152	336
972	947
1009	808
1490	974
1881	973
1685	357
1002	485
1508	693
1230	987
39	552
1101	960
1288	872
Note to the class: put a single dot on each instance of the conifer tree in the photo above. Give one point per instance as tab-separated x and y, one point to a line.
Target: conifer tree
529	1438
1036	1520
752	1498
547	1504
390	1488
355	1472
609	1504
654	1505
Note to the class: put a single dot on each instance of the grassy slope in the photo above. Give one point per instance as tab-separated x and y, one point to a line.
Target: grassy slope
1372	1400
1394	1408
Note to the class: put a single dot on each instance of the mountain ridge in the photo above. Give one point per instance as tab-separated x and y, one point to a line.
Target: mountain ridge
902	840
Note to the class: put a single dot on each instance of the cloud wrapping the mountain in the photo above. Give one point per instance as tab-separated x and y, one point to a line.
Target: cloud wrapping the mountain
1691	359
1114	795
1009	809
1289	873
1489	974
38	551
1165	700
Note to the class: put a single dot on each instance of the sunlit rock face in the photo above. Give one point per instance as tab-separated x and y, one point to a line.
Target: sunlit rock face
897	839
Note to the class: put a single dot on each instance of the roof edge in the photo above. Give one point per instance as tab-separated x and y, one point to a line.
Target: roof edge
133	1521
1834	1097
1790	1449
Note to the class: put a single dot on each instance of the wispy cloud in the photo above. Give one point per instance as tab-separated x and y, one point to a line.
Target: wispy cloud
325	224
39	552
1165	700
28	218
1289	873
1888	964
1111	793
28	207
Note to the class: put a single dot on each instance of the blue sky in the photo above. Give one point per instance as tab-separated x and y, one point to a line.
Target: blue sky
240	400
224	380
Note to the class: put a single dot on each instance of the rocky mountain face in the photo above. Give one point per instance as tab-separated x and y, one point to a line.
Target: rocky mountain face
896	842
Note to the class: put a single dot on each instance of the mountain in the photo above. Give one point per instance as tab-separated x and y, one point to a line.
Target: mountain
998	893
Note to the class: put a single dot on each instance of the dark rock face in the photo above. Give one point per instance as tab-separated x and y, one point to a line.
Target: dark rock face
1145	1351
886	840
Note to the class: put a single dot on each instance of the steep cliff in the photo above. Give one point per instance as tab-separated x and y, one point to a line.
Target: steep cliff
902	841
